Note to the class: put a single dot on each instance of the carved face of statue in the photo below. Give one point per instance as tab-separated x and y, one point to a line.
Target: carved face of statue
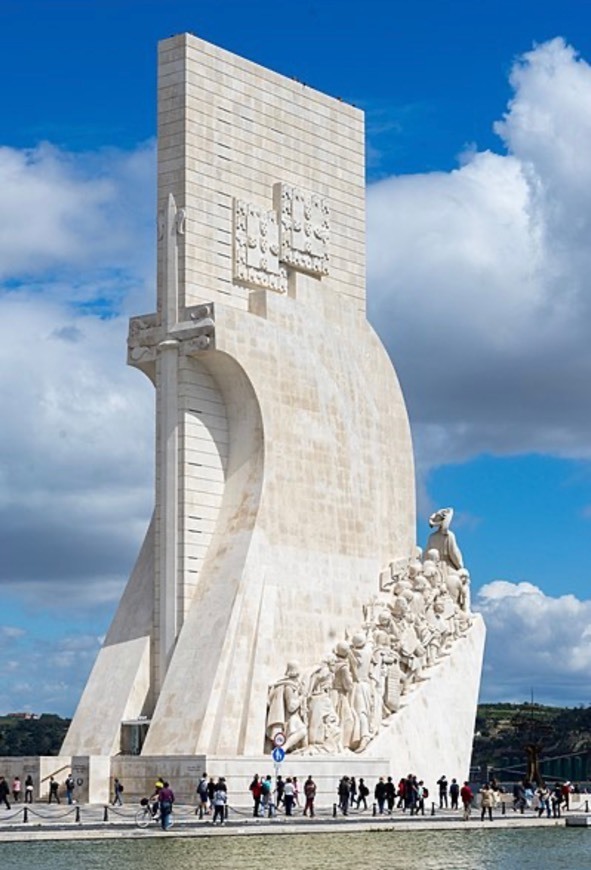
399	608
358	641
433	556
414	568
292	670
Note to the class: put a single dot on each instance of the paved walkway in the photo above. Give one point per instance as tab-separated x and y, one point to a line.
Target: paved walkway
87	821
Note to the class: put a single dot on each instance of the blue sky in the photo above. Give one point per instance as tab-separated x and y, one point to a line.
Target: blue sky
478	118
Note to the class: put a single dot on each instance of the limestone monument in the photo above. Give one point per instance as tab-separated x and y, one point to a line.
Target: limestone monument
279	587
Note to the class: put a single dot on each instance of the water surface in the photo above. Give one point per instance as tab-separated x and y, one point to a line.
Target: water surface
472	849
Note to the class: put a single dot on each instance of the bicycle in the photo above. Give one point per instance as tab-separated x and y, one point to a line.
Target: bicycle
149	814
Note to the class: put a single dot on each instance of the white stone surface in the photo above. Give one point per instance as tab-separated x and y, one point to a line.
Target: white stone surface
284	471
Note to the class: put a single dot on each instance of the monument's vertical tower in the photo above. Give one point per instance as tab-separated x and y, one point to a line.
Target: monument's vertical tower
284	470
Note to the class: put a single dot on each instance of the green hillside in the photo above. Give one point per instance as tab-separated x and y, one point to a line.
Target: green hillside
42	736
562	735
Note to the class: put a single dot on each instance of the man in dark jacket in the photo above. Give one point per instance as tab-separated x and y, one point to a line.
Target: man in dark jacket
165	802
344	795
390	794
379	794
4	792
442	783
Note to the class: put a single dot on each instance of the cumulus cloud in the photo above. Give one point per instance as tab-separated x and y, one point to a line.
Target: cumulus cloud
534	641
72	212
479	277
77	251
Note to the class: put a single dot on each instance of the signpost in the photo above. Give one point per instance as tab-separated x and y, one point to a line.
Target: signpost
278	753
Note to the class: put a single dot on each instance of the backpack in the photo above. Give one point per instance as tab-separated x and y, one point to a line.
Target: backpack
425	792
121	789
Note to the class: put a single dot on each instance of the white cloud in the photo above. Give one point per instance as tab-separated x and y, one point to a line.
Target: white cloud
479	278
77	425
71	211
535	641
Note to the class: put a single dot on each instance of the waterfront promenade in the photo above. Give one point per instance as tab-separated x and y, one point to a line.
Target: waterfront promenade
52	822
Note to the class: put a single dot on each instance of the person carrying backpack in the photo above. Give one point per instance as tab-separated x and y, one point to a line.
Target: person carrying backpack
202	795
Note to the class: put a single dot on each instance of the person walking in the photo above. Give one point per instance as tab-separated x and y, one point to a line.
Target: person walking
117	792
390	794
256	791
202	795
401	787
454	793
4	792
442	783
344	792
310	793
267	795
220	799
487	800
70	786
165	802
467	796
289	796
210	790
29	789
279	786
53	790
16	789
363	792
518	797
379	794
422	793
543	795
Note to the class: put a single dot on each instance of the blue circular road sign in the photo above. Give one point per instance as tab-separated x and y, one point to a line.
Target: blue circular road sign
278	754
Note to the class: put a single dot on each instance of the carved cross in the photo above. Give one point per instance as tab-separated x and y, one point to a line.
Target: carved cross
154	344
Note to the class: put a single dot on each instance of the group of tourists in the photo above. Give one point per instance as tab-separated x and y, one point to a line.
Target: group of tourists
212	796
286	793
17	791
545	800
548	800
24	792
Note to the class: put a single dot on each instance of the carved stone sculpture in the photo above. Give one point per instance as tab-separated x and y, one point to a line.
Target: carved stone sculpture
287	708
403	635
443	540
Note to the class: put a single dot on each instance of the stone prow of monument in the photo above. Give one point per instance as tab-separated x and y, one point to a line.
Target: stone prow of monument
284	464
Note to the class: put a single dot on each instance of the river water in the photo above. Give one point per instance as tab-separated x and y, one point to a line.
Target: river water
472	849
